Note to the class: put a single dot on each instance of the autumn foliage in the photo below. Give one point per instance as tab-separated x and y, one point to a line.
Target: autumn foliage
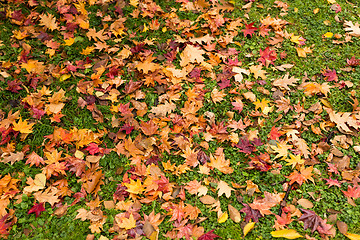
183	109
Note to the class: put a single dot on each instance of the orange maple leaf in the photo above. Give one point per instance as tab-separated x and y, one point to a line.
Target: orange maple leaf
302	176
220	163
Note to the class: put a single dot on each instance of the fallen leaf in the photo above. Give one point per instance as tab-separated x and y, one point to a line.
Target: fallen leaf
248	228
286	233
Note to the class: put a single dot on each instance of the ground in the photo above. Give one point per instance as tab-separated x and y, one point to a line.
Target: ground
180	119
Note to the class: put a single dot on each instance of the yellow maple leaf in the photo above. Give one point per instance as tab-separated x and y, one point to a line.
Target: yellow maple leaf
87	50
295	39
134	187
69	41
263	104
23	126
295	160
281	149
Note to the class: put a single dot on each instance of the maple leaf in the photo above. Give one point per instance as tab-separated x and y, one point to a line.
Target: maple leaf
220	164
210	235
249	29
149	128
302	176
259	162
245	146
49	195
267	56
37	209
282	220
303	51
352	192
134	187
217	96
23	126
274	133
126	222
295	160
224	83
5	226
13	157
148	66
238	105
251	214
310	219
330	75
281	149
263	30
332	182
127	128
49	22
353	62
263	104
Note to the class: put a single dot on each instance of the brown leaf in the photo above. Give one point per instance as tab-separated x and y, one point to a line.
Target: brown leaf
207	199
93	184
305	203
234	214
343	228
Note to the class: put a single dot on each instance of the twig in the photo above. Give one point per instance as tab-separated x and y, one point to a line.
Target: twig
283	202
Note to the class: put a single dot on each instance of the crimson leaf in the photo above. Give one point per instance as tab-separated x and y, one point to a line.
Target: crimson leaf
37	209
208	236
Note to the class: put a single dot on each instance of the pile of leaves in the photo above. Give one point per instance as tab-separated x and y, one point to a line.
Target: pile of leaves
179	119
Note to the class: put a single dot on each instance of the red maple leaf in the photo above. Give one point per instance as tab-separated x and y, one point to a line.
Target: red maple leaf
249	29
37	209
210	235
332	182
93	148
245	146
353	62
267	56
127	128
353	192
274	133
330	75
224	83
